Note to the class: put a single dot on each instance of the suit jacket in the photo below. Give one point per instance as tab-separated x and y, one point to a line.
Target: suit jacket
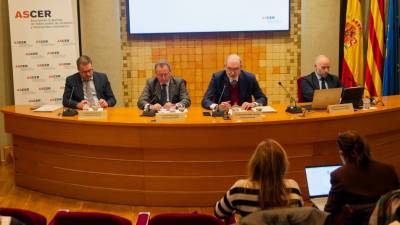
353	185
248	87
311	83
74	82
152	92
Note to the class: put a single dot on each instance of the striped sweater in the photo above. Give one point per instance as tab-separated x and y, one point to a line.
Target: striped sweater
242	198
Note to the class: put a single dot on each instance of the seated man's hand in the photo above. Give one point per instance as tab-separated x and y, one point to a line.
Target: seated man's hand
103	103
81	104
156	107
225	105
247	105
169	106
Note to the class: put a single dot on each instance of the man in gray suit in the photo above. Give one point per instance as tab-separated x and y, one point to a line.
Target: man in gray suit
319	79
164	90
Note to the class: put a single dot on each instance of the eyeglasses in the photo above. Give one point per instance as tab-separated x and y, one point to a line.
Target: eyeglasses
87	71
230	69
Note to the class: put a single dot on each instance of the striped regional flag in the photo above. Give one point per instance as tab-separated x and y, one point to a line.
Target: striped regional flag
375	50
353	59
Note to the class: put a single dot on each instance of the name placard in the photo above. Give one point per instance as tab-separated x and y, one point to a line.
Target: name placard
246	116
88	115
341	108
171	116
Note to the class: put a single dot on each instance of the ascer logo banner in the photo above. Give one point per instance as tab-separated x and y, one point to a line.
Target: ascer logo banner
35	100
25	91
25	14
23	67
32	77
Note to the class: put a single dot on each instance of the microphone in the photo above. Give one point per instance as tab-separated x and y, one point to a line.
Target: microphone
147	107
376	101
217	112
291	108
147	111
222	93
69	111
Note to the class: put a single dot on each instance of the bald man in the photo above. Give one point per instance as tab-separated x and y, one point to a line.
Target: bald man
319	79
233	86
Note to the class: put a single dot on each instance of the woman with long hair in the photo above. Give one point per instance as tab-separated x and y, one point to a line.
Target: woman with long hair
361	180
265	187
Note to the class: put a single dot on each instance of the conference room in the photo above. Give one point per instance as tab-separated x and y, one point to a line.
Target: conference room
124	158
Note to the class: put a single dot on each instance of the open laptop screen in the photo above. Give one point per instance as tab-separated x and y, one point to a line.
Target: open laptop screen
318	180
353	95
324	97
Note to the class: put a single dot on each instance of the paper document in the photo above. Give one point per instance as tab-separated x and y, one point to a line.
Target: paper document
264	109
162	111
47	108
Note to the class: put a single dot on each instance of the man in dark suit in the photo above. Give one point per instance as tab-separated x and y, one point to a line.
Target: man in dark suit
87	87
164	90
233	86
319	79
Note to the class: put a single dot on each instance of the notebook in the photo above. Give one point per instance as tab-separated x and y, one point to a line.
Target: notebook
324	97
318	183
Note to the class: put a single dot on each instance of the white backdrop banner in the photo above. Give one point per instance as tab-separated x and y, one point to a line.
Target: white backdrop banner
45	45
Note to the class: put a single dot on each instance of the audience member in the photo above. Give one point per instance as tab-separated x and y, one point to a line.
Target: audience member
361	180
266	186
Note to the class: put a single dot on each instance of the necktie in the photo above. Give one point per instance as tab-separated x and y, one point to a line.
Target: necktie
323	85
89	93
233	83
163	99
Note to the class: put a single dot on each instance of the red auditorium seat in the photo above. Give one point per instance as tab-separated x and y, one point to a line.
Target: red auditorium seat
87	218
299	94
25	216
179	219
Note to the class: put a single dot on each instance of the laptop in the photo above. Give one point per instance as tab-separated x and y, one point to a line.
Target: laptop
353	95
319	184
324	97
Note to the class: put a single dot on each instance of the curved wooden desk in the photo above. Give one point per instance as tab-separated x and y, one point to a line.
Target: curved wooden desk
128	159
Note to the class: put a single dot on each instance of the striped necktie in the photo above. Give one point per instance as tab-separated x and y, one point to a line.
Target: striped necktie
89	93
233	83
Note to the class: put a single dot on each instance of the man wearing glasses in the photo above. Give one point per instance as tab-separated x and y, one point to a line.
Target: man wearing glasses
233	86
87	88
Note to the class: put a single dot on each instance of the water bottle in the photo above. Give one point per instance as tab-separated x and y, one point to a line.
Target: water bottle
366	103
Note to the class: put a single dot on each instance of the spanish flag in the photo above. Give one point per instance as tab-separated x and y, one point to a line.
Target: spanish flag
353	60
375	50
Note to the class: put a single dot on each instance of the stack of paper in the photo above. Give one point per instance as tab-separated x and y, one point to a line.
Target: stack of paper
47	108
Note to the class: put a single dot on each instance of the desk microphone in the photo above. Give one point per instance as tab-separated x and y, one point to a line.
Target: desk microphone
147	111
217	112
376	101
69	111
292	108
